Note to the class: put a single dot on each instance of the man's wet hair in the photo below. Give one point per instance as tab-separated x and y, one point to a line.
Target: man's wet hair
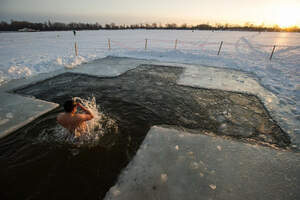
69	106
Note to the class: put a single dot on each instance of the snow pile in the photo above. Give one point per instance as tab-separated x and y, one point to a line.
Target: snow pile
19	71
77	61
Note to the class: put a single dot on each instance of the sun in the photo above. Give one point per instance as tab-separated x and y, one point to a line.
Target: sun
287	16
286	20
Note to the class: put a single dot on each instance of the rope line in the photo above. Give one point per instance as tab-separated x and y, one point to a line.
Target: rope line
192	47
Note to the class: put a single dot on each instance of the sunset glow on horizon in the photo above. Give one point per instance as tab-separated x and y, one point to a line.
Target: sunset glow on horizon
287	16
283	13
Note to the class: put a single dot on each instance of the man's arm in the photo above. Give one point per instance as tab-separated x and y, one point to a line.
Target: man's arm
88	116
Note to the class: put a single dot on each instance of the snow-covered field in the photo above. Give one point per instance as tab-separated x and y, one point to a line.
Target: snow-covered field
27	54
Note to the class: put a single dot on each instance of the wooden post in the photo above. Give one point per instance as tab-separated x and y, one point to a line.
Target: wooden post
272	52
76	49
109	44
176	43
220	47
146	42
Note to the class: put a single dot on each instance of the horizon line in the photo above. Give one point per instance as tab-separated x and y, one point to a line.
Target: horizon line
188	25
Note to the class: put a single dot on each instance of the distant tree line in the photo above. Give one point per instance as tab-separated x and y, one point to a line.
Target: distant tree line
58	26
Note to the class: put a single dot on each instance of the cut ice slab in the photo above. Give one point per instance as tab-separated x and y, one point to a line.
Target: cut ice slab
227	79
17	111
109	66
172	164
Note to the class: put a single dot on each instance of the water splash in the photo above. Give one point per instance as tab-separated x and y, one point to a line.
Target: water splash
101	123
99	126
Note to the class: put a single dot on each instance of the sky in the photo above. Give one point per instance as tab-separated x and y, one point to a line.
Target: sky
268	12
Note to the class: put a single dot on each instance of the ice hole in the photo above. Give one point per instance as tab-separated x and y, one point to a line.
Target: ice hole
135	101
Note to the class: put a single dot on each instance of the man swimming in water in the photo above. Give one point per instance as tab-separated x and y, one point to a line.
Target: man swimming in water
74	122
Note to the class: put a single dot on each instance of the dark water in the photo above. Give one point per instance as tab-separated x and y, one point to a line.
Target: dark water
38	163
35	169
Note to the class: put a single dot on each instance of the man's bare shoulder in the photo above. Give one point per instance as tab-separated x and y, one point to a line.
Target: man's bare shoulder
83	117
59	116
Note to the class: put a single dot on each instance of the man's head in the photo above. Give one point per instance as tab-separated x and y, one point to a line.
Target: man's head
69	106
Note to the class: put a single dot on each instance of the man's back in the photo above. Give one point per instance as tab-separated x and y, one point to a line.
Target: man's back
74	122
71	122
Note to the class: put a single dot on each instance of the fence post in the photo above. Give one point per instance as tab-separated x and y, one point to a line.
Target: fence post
76	49
272	52
176	43
220	47
108	44
146	42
